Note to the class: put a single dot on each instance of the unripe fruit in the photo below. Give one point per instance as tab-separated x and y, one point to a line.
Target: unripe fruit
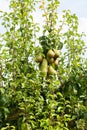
51	70
39	58
44	67
56	62
57	53
50	53
50	60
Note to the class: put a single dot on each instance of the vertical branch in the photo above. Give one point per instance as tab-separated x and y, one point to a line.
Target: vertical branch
13	53
1	84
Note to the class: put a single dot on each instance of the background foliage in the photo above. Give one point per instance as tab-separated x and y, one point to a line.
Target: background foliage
30	100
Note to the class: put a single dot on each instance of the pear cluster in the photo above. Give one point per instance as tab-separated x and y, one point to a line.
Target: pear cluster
48	62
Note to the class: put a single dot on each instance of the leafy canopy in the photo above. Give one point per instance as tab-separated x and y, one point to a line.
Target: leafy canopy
30	99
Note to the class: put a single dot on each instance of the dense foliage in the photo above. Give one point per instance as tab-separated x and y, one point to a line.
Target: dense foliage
33	96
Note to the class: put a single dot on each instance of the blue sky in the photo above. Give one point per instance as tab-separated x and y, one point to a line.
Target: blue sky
77	6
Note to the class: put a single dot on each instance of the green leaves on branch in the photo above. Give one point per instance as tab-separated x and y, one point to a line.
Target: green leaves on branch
29	100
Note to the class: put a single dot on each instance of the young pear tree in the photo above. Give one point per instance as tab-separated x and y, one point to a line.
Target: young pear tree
42	87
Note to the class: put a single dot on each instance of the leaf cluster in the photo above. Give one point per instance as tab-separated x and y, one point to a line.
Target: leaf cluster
29	101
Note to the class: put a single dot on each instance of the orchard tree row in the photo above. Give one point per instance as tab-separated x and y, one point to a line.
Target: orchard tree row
43	71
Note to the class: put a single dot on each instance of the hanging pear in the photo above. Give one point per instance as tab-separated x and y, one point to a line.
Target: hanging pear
39	58
50	54
44	67
50	60
51	70
57	53
56	62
